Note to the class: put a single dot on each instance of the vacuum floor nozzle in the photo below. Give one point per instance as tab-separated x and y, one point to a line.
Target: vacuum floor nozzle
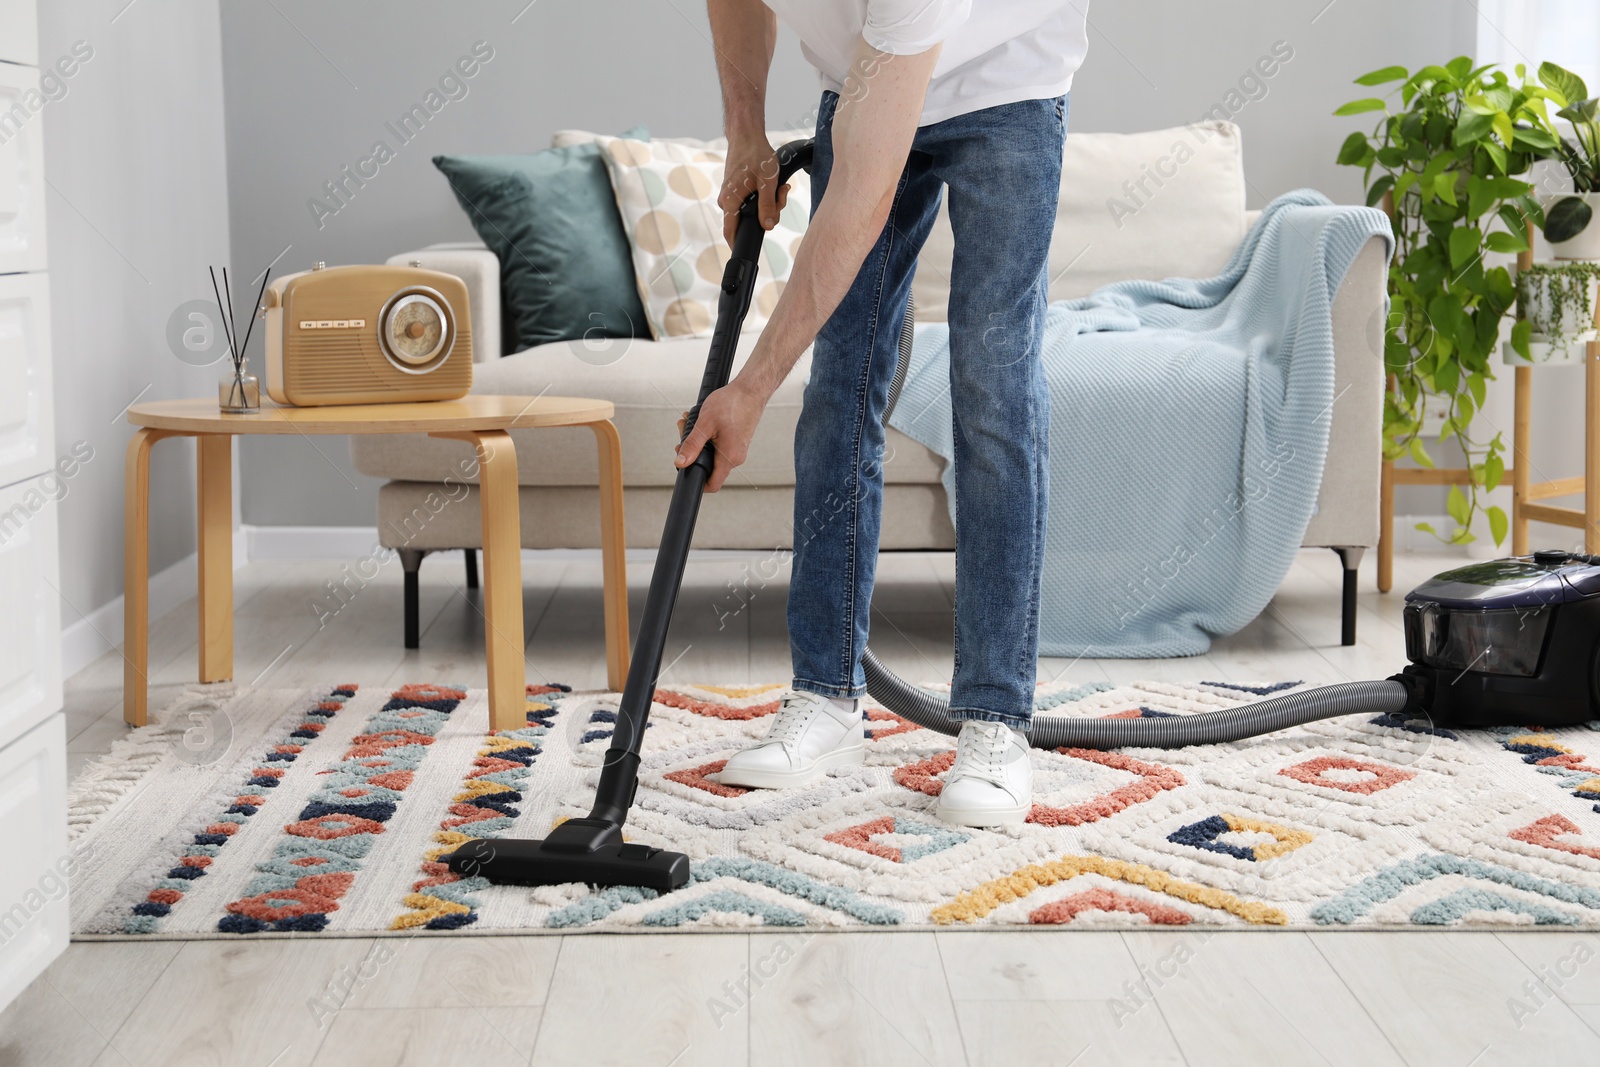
508	861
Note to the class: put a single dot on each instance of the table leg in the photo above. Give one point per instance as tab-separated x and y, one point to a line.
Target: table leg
136	577
1521	458
502	576
215	456
613	550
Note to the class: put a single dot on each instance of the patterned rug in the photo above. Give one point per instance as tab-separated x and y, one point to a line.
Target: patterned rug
271	813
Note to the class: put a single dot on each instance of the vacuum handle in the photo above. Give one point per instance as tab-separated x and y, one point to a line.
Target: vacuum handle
739	282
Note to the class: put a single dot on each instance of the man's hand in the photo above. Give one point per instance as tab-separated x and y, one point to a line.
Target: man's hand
728	419
752	166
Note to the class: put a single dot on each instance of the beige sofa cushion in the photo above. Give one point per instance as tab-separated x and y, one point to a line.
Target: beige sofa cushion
1162	204
651	383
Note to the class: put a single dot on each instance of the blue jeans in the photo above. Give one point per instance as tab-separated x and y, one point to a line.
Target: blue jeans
1003	169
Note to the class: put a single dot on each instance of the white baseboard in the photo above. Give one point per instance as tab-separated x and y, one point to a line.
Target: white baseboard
89	637
95	634
309	542
1409	539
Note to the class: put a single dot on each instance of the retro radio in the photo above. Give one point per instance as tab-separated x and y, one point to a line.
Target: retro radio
367	335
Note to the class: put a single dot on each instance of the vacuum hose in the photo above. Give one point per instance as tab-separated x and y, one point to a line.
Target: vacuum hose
1176	731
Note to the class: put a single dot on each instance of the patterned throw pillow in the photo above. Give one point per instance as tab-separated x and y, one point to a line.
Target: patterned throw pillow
667	196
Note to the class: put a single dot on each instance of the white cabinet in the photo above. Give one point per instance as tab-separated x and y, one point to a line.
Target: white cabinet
27	428
30	625
33	878
33	734
21	170
19	32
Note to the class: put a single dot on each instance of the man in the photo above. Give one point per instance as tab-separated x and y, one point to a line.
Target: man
919	96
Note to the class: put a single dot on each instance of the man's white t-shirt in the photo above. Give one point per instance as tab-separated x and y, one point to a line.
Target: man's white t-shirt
995	51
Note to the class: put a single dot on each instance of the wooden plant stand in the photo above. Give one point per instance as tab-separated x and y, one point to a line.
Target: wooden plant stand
1526	494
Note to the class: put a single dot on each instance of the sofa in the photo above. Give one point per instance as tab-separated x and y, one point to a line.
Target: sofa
1164	203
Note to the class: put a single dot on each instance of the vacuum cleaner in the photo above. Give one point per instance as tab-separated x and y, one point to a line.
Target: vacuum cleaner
1504	642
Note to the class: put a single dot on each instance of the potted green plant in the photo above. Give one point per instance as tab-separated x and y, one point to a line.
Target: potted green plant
1568	218
1556	301
1450	159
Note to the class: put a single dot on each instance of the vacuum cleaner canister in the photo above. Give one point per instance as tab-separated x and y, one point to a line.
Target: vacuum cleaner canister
1509	641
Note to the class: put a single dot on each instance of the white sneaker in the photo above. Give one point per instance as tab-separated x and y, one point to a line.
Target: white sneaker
808	737
991	782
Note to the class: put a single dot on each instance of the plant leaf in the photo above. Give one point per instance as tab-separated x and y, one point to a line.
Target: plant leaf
1569	217
1420	454
1497	155
1530	208
1506	242
1478	387
1456	504
1519	338
1357	107
1379	187
1507	188
1382	75
1501	123
1512	216
1494	469
1563	81
1582	111
1498	523
1539	140
1353	150
1480	197
1464	242
1471	127
1444	311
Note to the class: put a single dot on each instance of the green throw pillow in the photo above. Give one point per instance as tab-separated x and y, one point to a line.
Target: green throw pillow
566	269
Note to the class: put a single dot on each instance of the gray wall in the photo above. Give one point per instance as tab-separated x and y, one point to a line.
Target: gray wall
1160	63
137	207
310	86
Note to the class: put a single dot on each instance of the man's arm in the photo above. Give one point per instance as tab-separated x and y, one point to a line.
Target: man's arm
873	127
744	34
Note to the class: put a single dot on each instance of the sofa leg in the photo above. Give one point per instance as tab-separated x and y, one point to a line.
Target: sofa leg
472	567
411	563
1351	558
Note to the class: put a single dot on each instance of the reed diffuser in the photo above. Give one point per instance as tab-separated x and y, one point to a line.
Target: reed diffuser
240	392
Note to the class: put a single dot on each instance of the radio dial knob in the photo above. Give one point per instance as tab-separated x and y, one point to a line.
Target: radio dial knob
415	329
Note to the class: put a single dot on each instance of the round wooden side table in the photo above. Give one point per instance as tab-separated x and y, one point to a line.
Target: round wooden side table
479	420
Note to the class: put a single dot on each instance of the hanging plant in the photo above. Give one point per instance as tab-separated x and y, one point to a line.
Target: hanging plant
1556	303
1449	159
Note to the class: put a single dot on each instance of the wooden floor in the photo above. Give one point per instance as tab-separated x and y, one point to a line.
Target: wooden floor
1057	997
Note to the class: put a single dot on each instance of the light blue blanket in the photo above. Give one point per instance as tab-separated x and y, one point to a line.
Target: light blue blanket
1188	428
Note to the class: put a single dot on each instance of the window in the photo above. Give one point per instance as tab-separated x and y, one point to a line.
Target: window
1530	32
